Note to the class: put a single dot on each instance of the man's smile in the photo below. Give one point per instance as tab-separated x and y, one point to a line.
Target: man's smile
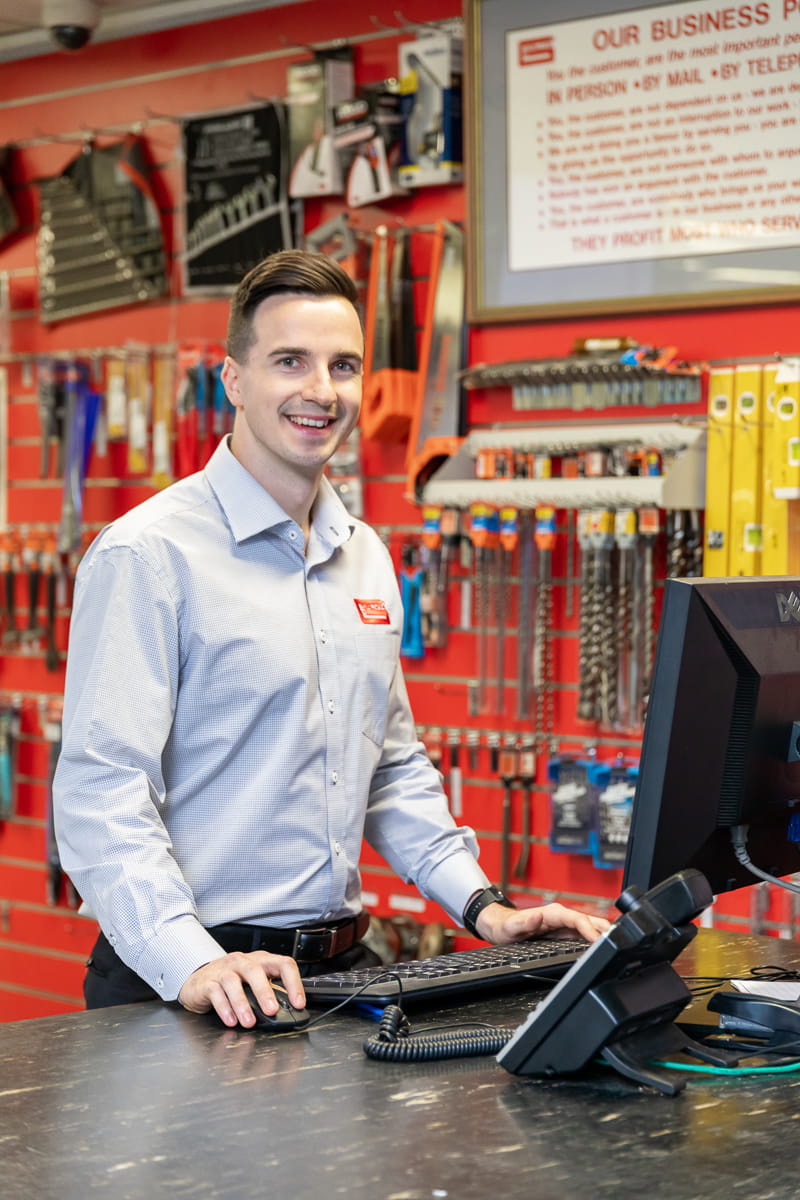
311	422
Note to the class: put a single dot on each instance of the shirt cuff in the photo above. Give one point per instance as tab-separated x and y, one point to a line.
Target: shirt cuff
452	882
179	948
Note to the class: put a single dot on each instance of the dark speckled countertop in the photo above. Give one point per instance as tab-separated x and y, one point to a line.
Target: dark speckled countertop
145	1101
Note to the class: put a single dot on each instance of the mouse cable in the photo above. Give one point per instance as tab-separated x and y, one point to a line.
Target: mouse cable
353	997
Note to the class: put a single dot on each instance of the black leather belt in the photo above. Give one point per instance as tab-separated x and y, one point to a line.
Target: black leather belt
305	944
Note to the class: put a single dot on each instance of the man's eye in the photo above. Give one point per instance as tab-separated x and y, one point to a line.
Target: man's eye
345	365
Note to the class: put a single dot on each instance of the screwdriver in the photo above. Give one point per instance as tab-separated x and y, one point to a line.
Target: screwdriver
526	775
508	772
509	530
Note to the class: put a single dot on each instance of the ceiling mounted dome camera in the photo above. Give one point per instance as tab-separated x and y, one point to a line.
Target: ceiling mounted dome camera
70	23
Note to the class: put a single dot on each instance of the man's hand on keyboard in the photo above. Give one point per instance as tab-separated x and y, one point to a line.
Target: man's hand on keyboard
502	925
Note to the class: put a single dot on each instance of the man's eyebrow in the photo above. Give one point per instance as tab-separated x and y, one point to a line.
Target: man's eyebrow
301	351
284	351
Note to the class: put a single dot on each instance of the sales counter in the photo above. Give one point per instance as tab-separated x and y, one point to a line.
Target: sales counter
145	1101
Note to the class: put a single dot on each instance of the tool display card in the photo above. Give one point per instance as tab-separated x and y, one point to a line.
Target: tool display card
430	84
235	179
314	89
368	141
100	238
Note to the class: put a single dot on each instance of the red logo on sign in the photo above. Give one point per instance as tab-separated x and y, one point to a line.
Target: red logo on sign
535	51
372	612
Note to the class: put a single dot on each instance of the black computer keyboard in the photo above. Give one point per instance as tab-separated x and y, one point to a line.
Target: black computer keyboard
463	971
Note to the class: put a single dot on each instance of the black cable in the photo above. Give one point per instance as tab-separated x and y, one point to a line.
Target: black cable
394	1043
353	996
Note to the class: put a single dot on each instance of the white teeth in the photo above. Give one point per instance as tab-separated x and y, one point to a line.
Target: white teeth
314	424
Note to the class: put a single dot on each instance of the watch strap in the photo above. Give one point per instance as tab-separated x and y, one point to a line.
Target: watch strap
489	895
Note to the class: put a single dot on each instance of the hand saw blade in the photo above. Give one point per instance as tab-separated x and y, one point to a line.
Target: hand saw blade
381	313
440	414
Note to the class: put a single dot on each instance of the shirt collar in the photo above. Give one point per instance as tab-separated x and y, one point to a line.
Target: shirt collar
250	509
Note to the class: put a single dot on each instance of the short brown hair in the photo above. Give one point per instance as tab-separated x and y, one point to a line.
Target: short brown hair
300	271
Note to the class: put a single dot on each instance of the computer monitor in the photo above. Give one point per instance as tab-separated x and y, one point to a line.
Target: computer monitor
721	746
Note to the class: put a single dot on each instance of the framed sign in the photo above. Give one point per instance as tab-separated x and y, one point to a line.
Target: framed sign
642	159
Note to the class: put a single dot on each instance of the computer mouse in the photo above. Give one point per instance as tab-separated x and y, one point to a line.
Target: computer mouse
758	1016
284	1020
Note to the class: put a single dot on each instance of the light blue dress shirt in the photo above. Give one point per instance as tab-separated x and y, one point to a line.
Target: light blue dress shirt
235	721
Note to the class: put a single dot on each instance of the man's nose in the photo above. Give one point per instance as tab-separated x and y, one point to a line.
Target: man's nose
319	385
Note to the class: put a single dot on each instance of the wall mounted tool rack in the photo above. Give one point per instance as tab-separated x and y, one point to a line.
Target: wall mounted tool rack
681	485
591	381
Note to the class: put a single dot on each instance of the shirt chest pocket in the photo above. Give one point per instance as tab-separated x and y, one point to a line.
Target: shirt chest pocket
377	654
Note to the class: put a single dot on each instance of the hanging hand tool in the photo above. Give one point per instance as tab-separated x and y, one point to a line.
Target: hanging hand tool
390	370
50	404
9	732
81	413
484	535
604	632
626	539
116	399
50	711
587	656
508	537
545	539
508	769
649	529
473	748
437	427
50	570
432	740
9	562
31	559
526	609
526	774
411	642
435	634
163	412
450	539
455	780
219	404
336	238
191	409
138	393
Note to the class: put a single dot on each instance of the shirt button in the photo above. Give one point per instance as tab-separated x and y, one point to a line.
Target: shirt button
160	981
293	534
112	939
331	706
323	637
337	848
334	776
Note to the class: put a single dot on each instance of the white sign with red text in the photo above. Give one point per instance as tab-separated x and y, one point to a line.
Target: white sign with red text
664	131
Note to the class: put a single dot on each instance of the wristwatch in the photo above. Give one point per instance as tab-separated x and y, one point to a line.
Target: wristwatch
489	895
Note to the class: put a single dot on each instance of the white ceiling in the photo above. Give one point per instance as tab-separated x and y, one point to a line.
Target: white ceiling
23	35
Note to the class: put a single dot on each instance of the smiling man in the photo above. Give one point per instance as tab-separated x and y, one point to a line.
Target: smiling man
235	718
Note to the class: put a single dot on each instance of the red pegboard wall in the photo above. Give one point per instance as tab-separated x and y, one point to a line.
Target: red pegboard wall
147	82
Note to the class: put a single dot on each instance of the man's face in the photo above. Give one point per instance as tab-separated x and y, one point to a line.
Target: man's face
298	395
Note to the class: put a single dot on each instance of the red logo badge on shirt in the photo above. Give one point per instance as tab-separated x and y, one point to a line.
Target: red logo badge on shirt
372	612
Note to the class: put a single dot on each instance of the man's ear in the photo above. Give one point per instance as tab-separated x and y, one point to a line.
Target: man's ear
231	381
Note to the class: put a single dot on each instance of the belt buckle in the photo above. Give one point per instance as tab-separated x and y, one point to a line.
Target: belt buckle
325	944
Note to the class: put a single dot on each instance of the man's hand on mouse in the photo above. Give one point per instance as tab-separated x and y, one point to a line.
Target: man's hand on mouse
502	925
219	985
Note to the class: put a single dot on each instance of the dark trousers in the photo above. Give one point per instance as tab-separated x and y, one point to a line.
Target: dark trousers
109	981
